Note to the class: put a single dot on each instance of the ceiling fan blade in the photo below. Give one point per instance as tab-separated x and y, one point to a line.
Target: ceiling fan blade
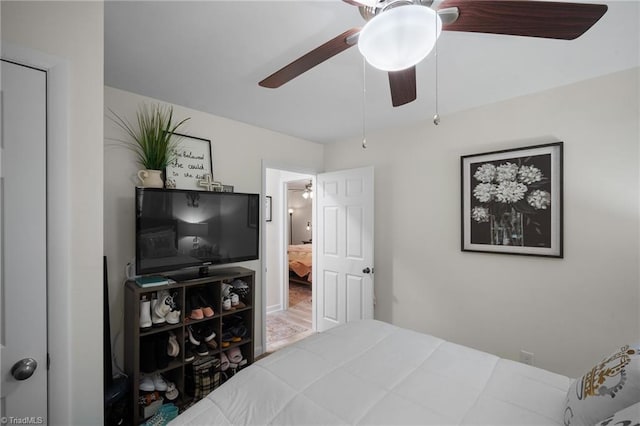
546	19
403	86
311	59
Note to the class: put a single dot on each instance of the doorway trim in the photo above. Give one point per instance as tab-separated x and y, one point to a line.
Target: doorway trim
58	226
266	164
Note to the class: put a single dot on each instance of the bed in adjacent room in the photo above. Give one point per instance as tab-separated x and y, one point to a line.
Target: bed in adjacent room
300	263
370	372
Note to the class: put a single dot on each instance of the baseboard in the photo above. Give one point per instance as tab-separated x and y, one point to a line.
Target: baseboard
274	308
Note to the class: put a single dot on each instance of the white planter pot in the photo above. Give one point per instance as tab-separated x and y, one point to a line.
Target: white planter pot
151	178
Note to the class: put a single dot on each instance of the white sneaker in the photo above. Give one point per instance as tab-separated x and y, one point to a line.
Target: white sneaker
156	320
145	313
159	384
173	317
172	392
165	302
235	300
226	304
146	384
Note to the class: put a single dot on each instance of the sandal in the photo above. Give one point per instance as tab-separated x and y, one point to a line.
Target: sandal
207	310
196	310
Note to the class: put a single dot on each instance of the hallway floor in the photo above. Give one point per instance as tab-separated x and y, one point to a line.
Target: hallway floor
286	327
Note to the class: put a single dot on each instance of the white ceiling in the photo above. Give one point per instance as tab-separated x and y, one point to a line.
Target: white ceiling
210	55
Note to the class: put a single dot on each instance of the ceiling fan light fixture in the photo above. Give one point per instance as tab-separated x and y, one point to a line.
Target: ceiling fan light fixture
399	38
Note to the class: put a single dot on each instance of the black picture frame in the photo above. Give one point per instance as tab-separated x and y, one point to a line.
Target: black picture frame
268	210
512	201
192	162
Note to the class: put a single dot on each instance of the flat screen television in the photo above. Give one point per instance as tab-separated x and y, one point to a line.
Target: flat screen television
178	229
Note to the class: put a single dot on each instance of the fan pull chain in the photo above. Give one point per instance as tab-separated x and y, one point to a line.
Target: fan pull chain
364	103
436	117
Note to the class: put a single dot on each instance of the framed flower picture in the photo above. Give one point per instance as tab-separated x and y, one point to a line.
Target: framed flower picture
512	201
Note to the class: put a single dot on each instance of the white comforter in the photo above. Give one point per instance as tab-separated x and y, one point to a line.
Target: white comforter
370	372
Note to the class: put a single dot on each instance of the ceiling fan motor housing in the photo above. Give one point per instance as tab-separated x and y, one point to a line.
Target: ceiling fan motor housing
368	12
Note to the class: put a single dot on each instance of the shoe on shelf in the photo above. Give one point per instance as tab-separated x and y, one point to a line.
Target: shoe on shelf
165	303
224	362
206	333
226	304
234	355
202	350
196	309
188	352
173	348
172	392
146	399
173	317
159	383
156	320
146	384
212	344
240	287
194	337
206	307
164	415
145	313
226	290
236	302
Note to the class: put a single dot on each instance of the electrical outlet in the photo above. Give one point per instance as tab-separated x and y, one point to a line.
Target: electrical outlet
526	357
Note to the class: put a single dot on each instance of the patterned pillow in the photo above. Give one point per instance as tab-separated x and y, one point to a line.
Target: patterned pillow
610	386
630	416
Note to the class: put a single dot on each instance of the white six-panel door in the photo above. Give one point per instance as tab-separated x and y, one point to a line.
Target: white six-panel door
23	266
344	272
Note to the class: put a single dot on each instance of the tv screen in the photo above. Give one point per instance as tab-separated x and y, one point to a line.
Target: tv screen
177	229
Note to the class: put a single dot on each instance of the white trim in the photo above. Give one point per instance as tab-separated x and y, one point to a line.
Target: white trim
58	226
268	164
274	308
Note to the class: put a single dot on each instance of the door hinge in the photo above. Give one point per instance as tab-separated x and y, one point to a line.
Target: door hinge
48	361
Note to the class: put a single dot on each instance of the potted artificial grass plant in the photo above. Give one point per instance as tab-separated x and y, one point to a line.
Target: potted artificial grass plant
153	140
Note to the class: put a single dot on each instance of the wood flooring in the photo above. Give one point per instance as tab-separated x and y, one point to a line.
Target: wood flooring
288	326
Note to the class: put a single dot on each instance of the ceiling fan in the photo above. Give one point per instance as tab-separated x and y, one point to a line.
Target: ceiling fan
394	26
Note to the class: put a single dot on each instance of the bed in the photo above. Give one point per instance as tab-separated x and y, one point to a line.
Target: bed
370	372
300	263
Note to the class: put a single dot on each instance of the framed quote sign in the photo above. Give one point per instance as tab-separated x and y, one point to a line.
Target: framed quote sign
191	163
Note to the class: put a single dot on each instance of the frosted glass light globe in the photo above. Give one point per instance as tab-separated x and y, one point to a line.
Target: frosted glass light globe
400	37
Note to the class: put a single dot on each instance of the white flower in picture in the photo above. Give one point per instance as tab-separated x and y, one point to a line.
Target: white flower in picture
485	173
484	192
506	172
510	192
529	174
539	199
480	214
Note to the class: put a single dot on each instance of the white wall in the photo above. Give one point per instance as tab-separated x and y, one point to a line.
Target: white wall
569	312
238	154
70	34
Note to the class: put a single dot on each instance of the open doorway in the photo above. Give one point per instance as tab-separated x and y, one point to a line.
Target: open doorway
289	304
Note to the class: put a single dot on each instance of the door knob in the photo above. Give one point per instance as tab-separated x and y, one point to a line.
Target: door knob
24	368
366	270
